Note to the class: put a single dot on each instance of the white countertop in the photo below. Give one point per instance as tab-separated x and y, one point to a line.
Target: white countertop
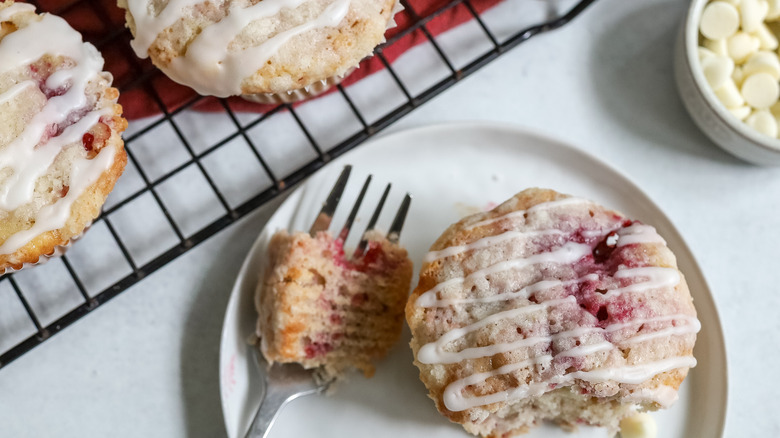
146	364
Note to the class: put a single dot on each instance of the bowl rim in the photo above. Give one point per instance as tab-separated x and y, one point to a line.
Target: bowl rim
691	43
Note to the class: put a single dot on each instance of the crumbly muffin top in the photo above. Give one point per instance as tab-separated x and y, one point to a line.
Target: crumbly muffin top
549	291
233	47
55	112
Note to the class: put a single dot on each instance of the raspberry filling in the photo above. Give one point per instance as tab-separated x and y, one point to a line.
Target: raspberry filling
597	273
317	349
374	261
95	140
88	139
373	258
604	261
40	73
92	141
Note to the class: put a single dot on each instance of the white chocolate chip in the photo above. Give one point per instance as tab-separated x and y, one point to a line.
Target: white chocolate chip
760	90
718	47
717	70
764	5
752	14
774	9
762	62
764	122
738	76
741	112
719	20
640	425
705	53
766	37
740	61
729	95
741	45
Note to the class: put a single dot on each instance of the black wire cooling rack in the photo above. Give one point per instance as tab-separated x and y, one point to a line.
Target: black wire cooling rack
27	316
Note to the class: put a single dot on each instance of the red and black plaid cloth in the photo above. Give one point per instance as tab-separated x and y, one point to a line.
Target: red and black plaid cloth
145	91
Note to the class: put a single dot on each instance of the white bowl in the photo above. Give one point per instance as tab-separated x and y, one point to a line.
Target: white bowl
707	112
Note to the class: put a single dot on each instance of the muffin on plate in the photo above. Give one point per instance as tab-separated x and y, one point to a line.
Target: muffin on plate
60	145
267	51
320	308
550	308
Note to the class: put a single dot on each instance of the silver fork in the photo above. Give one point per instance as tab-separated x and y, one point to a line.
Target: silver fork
286	382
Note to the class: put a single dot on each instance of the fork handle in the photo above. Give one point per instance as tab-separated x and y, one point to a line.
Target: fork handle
273	402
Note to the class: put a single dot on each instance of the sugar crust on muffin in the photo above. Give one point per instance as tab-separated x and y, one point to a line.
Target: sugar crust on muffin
550	308
320	308
60	144
245	47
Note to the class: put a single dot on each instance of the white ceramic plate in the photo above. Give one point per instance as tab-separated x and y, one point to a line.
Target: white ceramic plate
452	170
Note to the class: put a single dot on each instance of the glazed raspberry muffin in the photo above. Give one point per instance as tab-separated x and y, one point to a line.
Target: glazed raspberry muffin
550	308
269	50
60	125
321	309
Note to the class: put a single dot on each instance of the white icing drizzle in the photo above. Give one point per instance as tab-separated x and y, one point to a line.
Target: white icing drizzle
642	279
629	374
538	207
590	234
207	66
635	374
433	352
638	233
682	317
584	350
14	9
455	401
148	26
429	299
661	394
30	155
693	326
14	91
568	253
487	242
54	216
657	277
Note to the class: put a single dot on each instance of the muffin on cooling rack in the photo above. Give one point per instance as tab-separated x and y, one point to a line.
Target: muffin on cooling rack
320	308
550	308
267	51
60	145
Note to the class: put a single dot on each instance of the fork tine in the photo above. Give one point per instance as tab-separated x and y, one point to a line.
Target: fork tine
363	242
348	224
322	222
398	223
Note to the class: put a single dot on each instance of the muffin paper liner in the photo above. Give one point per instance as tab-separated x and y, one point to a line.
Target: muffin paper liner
43	258
299	94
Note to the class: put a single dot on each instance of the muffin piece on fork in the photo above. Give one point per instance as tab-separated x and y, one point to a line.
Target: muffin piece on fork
324	309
